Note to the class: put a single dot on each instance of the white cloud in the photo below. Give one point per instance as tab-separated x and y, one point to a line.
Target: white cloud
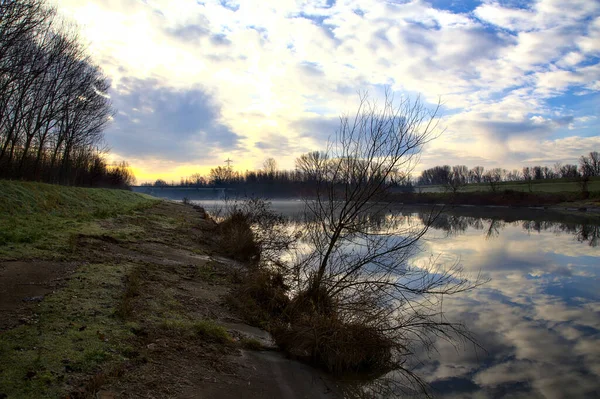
270	63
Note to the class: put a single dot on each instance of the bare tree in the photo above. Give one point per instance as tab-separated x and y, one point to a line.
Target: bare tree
270	166
311	164
477	174
528	177
459	177
436	175
493	177
53	100
220	175
359	265
589	167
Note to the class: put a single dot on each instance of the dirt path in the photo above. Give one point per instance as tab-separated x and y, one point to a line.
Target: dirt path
172	295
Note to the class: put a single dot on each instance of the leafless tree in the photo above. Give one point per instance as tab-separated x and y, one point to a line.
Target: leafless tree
477	174
589	167
221	174
54	101
270	166
514	175
459	177
528	177
493	177
358	263
312	164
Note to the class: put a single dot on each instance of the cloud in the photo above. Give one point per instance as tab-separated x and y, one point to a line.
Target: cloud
499	68
160	123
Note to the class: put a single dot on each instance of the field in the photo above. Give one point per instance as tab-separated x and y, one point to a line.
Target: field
539	186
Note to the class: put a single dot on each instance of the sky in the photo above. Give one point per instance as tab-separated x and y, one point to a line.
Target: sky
197	82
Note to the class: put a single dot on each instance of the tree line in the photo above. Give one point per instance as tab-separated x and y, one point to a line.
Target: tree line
309	166
54	102
455	177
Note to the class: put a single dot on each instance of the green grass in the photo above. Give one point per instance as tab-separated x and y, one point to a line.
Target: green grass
95	327
537	186
208	330
75	333
38	219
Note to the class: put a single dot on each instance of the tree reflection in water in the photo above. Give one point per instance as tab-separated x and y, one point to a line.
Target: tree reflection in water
455	225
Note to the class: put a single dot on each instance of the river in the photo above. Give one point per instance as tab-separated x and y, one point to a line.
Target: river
537	320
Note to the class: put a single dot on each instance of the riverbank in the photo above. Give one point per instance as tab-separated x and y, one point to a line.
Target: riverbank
121	295
561	200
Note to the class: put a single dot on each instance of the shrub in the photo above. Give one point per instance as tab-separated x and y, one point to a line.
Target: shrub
251	231
336	346
261	297
237	238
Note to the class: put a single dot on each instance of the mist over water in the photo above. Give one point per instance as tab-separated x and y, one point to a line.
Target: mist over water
538	319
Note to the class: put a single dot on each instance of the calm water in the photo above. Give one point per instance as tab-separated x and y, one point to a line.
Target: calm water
538	319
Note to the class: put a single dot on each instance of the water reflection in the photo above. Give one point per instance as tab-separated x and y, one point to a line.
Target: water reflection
453	225
538	318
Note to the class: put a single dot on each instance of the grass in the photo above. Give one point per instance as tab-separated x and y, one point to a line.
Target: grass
37	219
208	330
97	326
503	198
75	333
537	186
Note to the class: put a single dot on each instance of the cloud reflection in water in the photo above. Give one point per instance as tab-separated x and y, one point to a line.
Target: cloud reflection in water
538	318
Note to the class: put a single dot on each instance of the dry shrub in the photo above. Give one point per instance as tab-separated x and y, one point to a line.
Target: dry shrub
314	331
261	297
312	302
336	346
237	238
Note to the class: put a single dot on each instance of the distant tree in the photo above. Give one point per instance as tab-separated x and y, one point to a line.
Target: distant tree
438	175
589	167
591	164
476	174
220	175
548	173
528	177
311	165
459	177
197	180
514	175
160	183
569	171
493	177
270	166
558	169
401	178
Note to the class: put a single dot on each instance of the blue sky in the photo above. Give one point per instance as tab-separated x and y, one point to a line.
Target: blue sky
196	82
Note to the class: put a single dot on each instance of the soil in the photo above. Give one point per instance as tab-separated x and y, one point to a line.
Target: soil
24	284
180	262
